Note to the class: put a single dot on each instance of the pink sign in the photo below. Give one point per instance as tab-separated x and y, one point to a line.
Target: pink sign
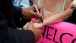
61	32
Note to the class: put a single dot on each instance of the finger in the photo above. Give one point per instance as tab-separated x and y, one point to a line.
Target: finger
32	7
31	25
26	17
49	14
39	7
72	7
35	14
41	11
25	26
40	31
46	15
31	22
38	25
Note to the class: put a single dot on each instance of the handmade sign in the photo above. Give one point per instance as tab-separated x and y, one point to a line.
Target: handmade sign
61	32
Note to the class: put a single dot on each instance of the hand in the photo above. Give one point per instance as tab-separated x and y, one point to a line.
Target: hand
73	5
37	32
36	25
47	14
25	26
30	12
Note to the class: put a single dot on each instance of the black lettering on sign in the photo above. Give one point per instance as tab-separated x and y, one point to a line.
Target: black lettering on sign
43	34
63	35
47	29
47	33
54	36
54	33
73	41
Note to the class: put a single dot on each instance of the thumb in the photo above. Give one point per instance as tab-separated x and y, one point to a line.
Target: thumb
31	23
30	26
35	14
42	13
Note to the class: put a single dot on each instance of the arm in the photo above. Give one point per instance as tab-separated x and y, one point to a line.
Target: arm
17	12
11	35
20	36
17	15
57	17
72	19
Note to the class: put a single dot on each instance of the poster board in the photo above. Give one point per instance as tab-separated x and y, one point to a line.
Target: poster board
61	32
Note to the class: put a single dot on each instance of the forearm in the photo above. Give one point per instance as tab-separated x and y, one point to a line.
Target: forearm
57	17
20	36
17	15
17	12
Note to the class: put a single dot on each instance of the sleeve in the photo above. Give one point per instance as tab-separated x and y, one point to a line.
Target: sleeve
31	2
24	4
17	11
17	15
12	35
19	36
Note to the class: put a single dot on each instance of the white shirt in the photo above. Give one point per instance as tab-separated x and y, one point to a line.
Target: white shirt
21	3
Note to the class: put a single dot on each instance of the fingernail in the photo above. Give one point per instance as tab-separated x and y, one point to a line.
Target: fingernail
31	22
